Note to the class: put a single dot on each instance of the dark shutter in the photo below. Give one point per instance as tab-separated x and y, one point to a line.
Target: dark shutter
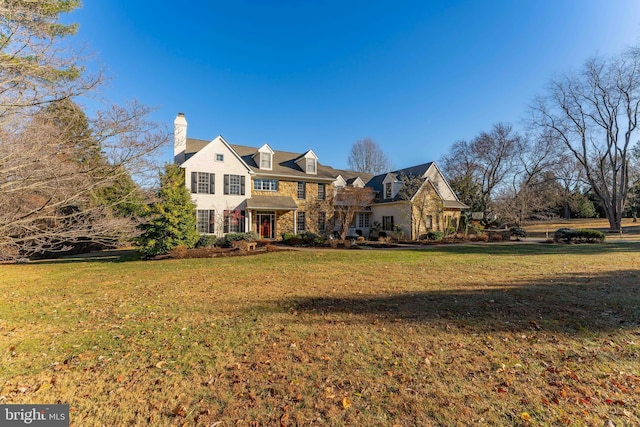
212	217
242	219
226	216
242	185
212	184
226	184
194	182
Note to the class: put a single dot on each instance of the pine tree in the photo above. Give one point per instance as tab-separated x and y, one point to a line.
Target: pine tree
173	219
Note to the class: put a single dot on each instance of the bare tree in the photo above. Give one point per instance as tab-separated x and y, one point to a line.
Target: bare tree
367	156
48	198
533	180
320	213
594	114
487	160
55	163
348	202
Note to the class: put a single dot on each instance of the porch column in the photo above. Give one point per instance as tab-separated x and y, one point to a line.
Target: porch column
295	222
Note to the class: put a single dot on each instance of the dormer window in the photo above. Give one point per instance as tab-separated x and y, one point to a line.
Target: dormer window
387	190
308	162
264	157
311	165
265	160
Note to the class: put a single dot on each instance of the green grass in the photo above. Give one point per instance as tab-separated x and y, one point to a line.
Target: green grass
529	334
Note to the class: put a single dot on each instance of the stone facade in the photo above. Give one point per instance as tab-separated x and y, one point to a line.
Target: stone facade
310	205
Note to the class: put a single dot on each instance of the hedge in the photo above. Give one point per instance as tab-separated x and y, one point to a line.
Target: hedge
581	235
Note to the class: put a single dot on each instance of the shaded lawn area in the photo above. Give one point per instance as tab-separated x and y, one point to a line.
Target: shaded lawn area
449	335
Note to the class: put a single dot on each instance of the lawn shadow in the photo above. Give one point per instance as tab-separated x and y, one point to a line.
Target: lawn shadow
565	303
107	256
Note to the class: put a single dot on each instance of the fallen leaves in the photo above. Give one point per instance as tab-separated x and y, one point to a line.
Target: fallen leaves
346	403
180	410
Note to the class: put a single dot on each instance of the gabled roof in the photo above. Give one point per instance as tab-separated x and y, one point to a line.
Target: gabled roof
201	146
351	176
376	183
193	146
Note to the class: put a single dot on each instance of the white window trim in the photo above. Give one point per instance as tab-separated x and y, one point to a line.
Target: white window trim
266	156
314	166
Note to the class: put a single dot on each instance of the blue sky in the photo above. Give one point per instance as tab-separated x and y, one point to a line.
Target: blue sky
415	76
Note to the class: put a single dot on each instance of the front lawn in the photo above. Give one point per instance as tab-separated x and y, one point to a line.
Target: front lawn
449	335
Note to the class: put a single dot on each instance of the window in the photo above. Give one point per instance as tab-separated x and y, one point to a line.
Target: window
265	184
363	220
387	190
301	222
234	221
302	190
322	221
429	221
387	223
322	191
203	182
265	160
205	219
311	165
219	157
234	185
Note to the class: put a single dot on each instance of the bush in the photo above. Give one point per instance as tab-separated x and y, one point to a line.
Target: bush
207	241
435	235
234	237
287	236
249	237
398	233
475	228
582	235
309	236
305	238
482	237
496	237
518	232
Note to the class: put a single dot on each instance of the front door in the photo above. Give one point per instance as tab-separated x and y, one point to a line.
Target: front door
265	224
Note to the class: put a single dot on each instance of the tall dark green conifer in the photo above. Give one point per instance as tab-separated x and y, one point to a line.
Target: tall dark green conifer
172	218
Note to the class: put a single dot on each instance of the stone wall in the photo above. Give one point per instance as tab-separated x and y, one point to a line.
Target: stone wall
310	205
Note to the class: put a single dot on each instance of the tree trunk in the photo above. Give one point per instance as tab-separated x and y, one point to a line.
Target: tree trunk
566	210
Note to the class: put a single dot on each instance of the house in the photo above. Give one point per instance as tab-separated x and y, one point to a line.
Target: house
413	201
238	188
